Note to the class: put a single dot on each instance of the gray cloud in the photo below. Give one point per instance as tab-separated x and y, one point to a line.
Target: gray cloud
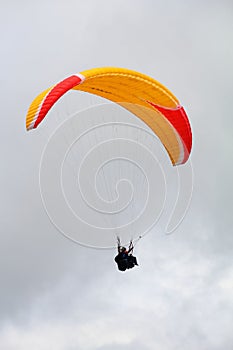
57	295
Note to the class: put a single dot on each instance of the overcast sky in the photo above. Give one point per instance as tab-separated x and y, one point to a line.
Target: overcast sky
55	294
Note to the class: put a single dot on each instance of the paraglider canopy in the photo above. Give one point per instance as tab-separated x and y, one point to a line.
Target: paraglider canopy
145	97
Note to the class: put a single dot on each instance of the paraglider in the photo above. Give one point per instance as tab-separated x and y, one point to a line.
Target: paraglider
141	95
125	259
